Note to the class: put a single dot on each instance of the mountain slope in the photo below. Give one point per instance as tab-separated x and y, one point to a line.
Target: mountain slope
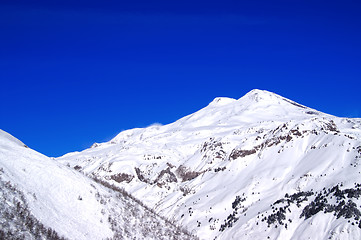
41	198
257	167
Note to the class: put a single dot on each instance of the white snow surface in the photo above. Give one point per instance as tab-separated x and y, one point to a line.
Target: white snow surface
260	167
259	147
68	202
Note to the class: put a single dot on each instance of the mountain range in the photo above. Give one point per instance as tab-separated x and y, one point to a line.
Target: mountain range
260	167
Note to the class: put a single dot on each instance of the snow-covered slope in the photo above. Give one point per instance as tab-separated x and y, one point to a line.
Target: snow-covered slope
43	199
258	167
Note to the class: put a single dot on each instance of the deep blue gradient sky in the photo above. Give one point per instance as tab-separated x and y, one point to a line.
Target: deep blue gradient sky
73	74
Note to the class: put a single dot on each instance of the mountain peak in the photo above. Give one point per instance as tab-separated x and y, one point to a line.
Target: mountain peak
270	98
259	95
252	96
220	101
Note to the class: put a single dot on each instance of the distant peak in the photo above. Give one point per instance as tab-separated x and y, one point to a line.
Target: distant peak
219	101
257	91
257	95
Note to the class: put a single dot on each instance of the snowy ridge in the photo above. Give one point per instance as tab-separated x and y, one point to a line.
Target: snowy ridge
7	139
252	168
43	199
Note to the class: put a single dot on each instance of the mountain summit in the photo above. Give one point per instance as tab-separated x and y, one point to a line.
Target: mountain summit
224	114
257	105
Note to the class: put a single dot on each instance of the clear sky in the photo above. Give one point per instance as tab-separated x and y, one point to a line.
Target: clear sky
77	72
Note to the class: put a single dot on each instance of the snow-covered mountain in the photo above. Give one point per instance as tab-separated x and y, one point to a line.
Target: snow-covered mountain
260	167
43	199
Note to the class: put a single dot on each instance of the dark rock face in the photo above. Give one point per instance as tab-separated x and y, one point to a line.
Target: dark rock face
141	176
77	167
185	174
236	153
212	151
165	176
122	177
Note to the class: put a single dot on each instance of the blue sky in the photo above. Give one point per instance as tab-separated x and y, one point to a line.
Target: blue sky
77	72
